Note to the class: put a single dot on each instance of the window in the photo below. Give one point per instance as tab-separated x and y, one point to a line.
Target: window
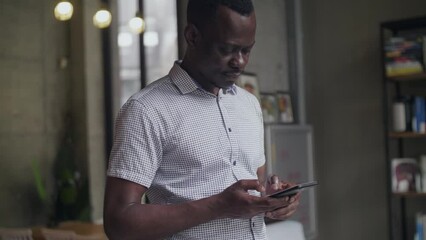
160	44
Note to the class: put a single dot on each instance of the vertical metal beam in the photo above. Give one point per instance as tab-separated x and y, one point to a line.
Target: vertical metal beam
108	96
403	217
296	58
142	48
181	24
391	221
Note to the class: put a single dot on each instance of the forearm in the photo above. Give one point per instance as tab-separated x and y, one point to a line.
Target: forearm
150	221
125	218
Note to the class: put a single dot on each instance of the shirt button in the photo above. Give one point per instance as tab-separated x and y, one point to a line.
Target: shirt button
235	163
229	129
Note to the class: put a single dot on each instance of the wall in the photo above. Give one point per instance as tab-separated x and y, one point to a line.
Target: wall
38	99
34	94
344	104
88	102
269	58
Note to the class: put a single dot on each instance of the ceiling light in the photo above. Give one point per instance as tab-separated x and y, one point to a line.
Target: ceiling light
137	24
102	18
63	11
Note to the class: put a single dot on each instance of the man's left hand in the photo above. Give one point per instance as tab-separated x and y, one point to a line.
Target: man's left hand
274	184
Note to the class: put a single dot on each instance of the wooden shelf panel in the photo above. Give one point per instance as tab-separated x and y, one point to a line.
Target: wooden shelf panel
410	195
411	77
407	135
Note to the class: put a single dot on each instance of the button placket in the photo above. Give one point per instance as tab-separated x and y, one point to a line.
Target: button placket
227	109
225	117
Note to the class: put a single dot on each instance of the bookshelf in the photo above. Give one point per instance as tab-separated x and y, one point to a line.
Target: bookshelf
406	135
403	45
410	77
410	195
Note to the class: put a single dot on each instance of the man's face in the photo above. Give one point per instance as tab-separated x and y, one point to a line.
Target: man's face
225	47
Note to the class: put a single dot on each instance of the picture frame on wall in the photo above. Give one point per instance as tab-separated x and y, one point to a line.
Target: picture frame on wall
249	82
285	108
268	102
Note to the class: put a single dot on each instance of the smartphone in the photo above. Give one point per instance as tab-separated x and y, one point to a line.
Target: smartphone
293	190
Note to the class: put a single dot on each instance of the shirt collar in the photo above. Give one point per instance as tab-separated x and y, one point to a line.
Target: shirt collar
186	84
181	79
232	90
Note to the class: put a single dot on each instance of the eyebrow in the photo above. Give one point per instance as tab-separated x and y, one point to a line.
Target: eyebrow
239	46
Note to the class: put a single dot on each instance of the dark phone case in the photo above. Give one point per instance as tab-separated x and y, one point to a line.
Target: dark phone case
293	190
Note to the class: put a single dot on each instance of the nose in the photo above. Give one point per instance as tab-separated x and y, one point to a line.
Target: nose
238	60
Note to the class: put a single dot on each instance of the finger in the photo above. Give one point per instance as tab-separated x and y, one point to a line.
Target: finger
275	179
286	207
251	185
283	213
274	182
283	216
276	203
285	185
295	197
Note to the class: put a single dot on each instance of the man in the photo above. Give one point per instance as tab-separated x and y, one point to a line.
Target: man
193	142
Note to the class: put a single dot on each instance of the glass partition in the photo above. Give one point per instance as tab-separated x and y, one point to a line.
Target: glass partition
160	44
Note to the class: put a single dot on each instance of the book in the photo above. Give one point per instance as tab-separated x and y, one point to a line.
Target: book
419	114
404	56
405	175
422	165
419	226
424	226
424	51
420	221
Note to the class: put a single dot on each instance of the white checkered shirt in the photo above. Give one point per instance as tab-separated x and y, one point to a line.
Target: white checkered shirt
184	144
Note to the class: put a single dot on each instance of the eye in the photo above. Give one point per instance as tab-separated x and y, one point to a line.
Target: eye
226	49
246	51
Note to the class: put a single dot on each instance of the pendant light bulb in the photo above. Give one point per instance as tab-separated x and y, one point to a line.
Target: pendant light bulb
137	24
63	11
102	18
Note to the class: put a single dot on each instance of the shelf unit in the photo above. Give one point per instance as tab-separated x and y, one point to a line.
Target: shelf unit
398	144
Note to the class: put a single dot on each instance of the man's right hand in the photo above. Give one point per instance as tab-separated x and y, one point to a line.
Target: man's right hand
236	202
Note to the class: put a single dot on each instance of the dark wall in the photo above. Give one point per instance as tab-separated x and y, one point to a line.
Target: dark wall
344	104
34	102
52	113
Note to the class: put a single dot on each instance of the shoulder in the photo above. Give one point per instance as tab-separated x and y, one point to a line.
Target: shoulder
155	91
159	102
149	101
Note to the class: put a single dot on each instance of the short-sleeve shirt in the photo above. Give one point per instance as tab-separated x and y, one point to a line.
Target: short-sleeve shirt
184	143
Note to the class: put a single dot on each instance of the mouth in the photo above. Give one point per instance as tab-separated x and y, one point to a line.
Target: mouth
232	74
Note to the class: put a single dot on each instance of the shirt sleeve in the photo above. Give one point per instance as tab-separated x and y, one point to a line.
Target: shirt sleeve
262	133
137	149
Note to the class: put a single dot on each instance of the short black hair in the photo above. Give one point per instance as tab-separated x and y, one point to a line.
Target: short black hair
201	12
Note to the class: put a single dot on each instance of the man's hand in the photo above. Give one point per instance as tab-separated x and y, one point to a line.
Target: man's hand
274	184
236	202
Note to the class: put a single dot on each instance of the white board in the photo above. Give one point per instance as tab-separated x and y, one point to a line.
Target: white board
289	154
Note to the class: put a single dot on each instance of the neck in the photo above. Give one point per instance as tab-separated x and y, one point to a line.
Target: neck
195	74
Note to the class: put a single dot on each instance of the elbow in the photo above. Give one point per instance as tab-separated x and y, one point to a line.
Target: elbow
119	227
112	227
110	230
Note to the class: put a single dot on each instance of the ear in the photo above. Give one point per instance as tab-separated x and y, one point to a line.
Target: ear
192	35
